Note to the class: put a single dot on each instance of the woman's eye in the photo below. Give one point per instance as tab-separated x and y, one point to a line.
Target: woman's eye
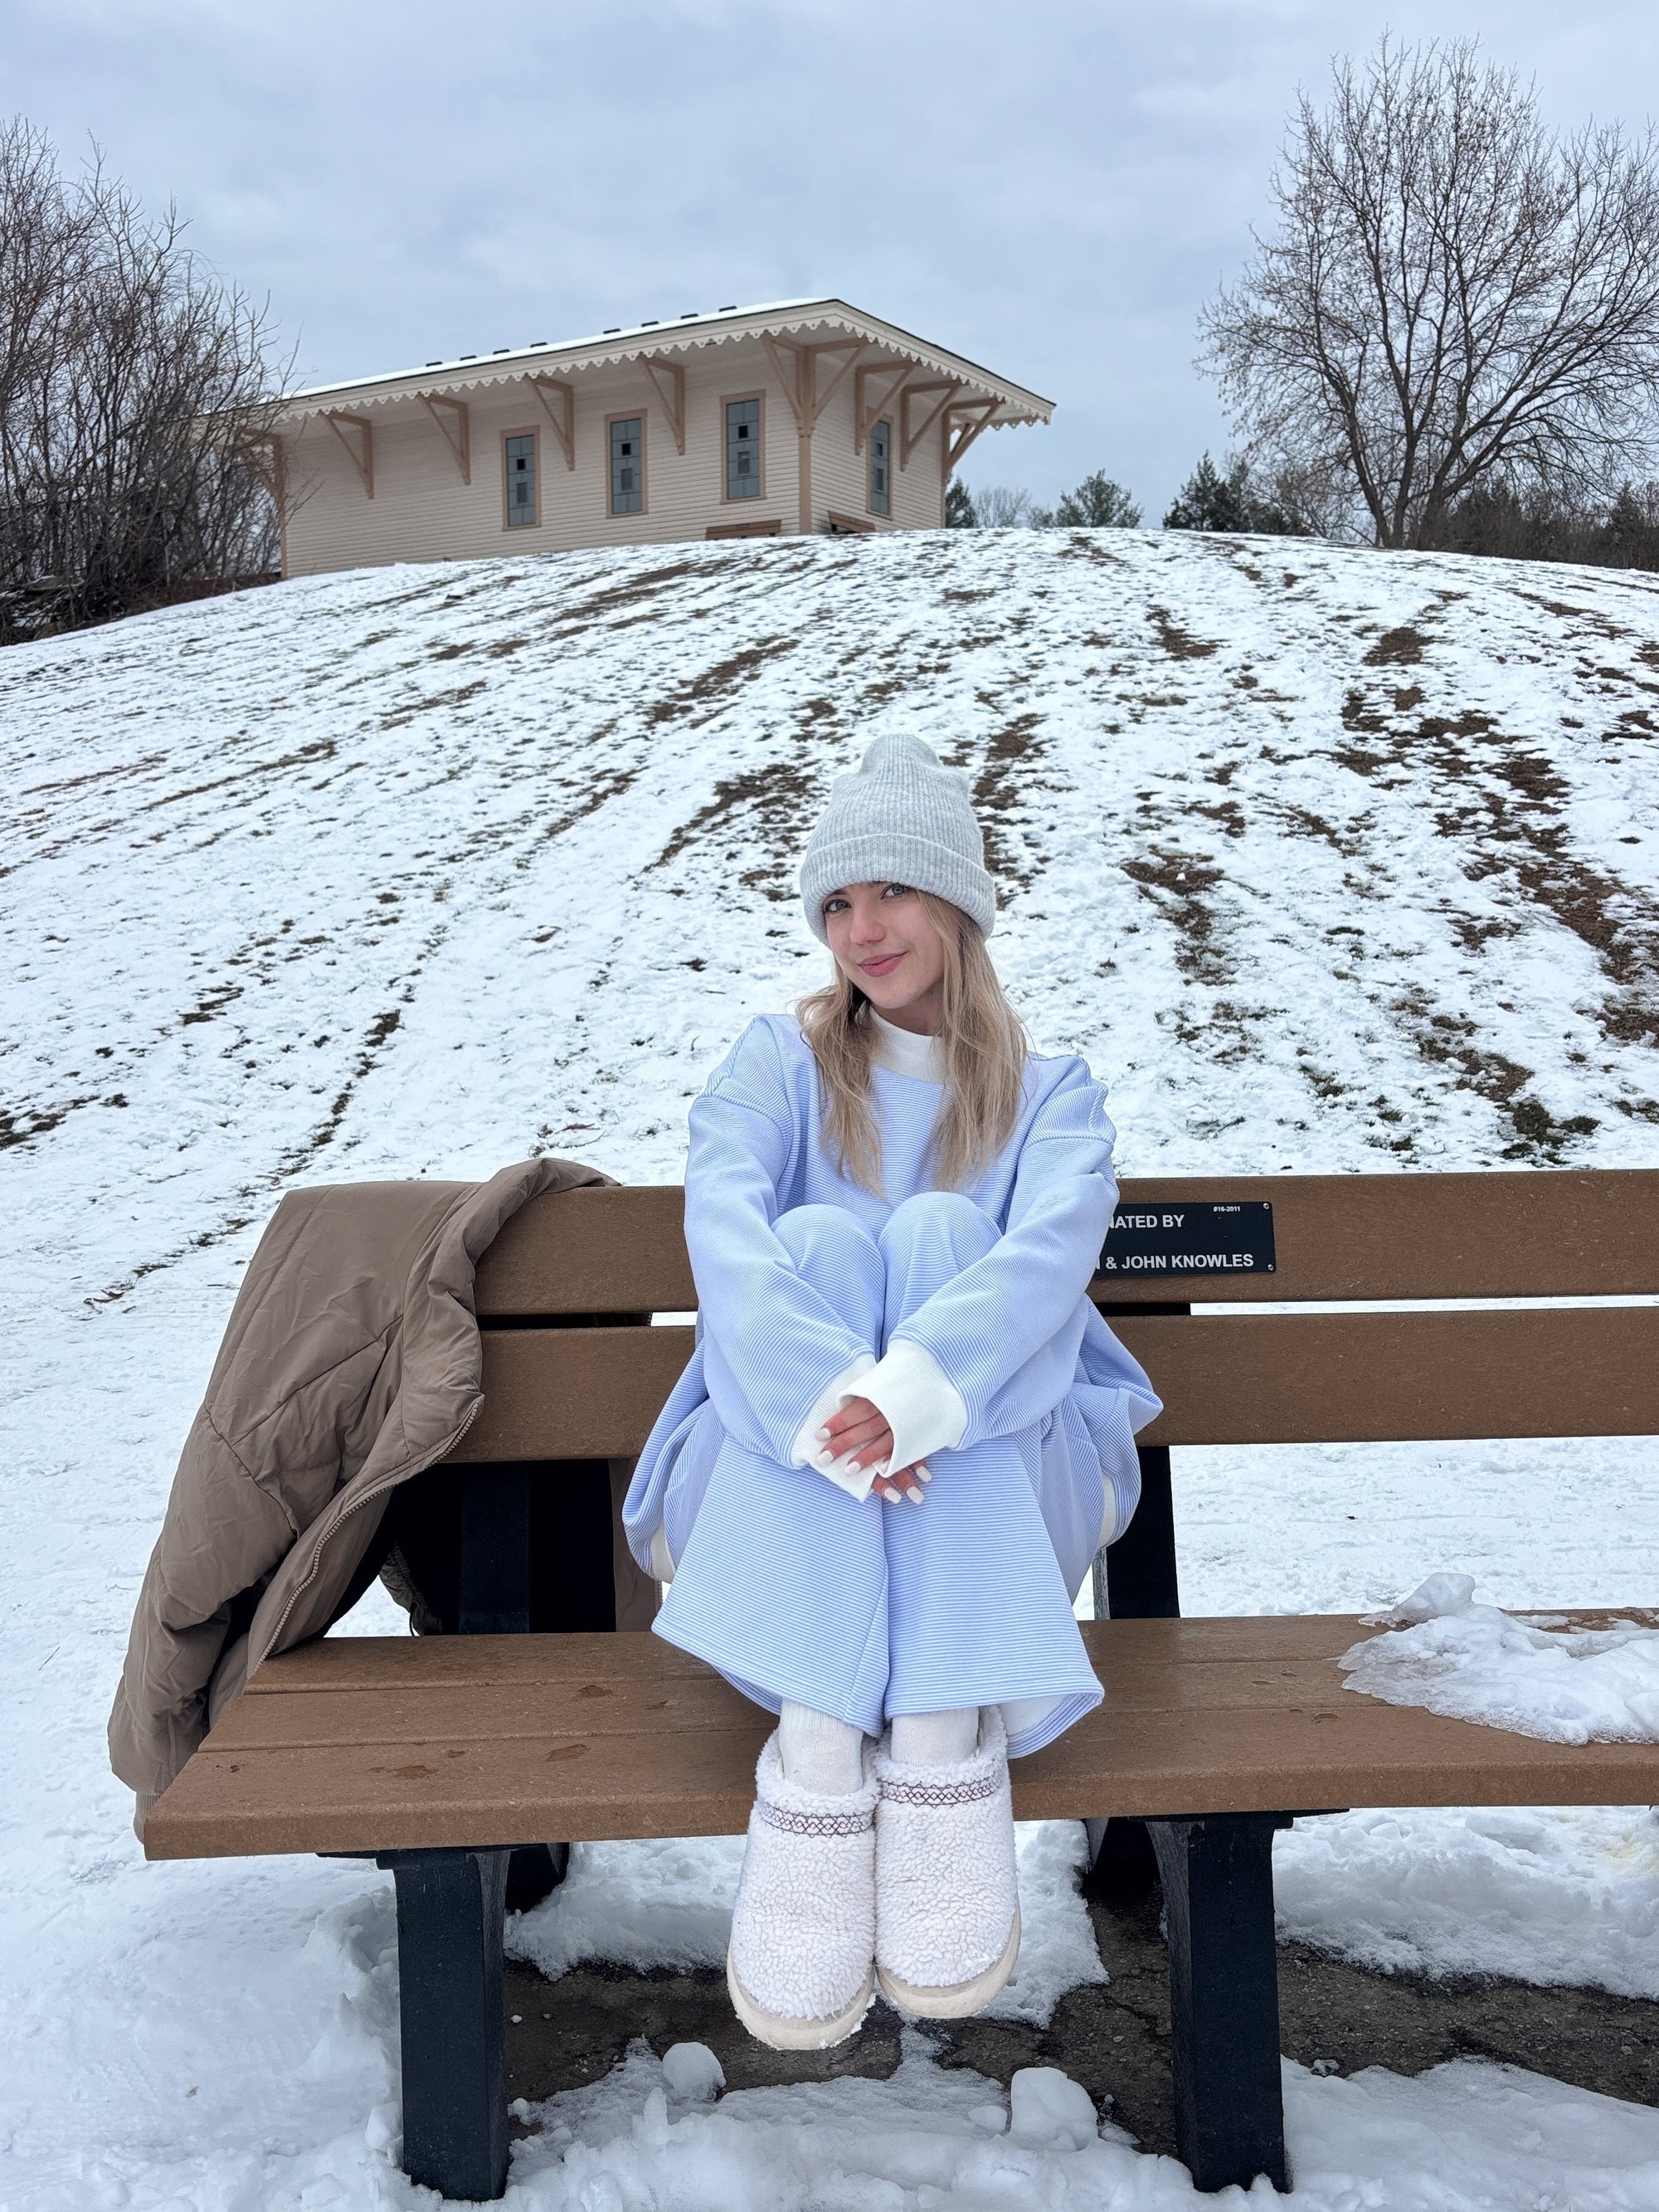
897	890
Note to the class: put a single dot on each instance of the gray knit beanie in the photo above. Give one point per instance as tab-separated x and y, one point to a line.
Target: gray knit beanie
901	818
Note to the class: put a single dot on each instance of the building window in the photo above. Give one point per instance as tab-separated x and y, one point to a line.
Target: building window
743	449
881	469
628	465
523	496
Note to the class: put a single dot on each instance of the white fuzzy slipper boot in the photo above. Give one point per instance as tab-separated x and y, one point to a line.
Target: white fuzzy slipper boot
799	1968
947	1903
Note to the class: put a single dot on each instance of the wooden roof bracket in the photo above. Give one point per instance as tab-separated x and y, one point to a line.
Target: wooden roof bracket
962	425
800	377
558	400
791	375
455	420
671	396
262	451
867	413
853	349
911	433
362	455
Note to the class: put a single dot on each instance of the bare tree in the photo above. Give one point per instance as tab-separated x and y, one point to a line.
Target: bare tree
136	393
1450	295
1002	507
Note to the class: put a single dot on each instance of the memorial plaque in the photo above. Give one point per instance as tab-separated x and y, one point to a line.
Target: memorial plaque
1203	1237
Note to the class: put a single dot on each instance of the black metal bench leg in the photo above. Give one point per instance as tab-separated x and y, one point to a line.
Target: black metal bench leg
1224	1995
1122	1868
450	1908
535	1871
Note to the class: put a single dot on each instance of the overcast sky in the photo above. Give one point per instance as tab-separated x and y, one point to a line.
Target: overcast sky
1052	187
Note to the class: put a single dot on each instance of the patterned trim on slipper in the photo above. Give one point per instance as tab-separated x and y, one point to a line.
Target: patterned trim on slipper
941	1793
813	1823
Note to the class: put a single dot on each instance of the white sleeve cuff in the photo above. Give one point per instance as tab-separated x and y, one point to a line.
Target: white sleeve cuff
917	1400
804	1451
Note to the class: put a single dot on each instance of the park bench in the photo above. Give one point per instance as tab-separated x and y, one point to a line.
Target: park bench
454	1759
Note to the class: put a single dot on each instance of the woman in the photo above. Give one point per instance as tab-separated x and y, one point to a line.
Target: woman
905	1431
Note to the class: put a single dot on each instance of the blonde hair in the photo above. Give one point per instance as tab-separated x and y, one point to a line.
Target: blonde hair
985	1046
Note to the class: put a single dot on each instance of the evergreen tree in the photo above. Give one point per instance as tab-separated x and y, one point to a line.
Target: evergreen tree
1212	500
1209	501
959	513
1098	503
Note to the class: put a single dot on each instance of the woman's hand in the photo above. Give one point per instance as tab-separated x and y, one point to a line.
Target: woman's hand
860	1434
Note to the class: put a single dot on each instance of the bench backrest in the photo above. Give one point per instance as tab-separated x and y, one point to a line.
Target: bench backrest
574	1368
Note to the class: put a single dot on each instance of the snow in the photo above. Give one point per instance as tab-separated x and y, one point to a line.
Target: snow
1538	1678
1327	860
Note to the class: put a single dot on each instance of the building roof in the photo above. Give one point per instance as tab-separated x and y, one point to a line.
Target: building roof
791	319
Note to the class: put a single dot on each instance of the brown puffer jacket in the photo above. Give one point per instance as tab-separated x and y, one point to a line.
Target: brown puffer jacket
351	1361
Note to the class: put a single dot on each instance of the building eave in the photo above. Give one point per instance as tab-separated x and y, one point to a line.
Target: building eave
784	318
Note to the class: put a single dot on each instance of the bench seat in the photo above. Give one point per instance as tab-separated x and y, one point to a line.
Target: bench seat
381	1744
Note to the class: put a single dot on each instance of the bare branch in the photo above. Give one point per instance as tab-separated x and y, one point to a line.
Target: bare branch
1448	296
132	382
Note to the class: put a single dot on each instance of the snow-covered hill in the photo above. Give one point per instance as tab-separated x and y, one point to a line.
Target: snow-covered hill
1326	859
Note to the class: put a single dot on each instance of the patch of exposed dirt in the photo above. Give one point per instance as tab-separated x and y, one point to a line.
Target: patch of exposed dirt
210	1005
1179	885
1082	547
626	594
1396	648
766	810
440	700
1349	843
1227	812
383	1027
1449	1039
604	788
1592	617
1114	2036
1180	644
1003	791
718	681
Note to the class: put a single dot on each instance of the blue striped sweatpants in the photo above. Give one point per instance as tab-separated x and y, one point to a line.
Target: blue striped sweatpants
791	1589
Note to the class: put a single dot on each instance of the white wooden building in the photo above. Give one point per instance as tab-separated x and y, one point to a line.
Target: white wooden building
806	416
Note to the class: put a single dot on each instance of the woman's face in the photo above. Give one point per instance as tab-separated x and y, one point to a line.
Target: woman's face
883	942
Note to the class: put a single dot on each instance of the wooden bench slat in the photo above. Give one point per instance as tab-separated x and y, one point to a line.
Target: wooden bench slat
1244	1378
368	1716
1210	1744
1533	1233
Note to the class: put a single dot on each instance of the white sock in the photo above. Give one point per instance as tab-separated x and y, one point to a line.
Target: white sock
819	1752
936	1739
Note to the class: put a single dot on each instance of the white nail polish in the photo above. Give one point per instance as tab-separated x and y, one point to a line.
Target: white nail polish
826	1459
924	1475
914	1496
822	1435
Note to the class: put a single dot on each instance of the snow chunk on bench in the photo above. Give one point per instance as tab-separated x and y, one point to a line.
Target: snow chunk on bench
1448	1655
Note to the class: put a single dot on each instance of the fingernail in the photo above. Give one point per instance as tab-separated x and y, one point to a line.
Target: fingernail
923	1474
826	1459
914	1496
821	1434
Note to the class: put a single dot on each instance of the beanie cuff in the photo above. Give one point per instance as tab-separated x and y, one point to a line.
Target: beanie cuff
899	857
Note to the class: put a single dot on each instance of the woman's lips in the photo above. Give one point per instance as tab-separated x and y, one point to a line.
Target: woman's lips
885	966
